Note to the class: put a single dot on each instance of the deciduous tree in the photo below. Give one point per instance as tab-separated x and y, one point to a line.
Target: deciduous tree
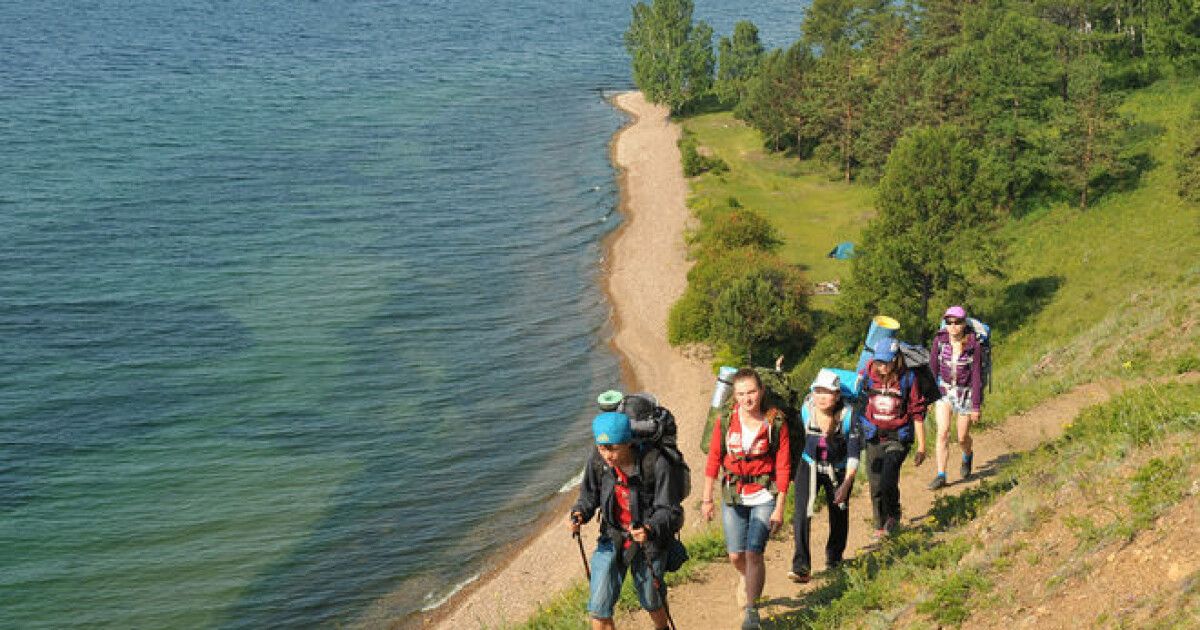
672	56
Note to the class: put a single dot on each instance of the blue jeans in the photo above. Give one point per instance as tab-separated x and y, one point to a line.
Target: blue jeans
608	573
747	527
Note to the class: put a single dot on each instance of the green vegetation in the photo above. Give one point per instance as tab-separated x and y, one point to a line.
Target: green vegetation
672	56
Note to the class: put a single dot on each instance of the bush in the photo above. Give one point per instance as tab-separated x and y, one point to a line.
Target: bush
738	228
695	164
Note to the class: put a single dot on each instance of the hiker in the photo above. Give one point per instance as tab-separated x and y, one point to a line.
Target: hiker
635	525
955	357
751	447
893	416
826	457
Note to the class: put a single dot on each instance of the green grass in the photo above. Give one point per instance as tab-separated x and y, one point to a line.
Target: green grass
1111	291
811	211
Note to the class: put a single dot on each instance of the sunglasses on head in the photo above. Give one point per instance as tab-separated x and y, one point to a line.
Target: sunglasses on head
950	321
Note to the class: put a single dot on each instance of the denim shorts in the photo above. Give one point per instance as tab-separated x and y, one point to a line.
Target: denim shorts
608	574
747	526
959	404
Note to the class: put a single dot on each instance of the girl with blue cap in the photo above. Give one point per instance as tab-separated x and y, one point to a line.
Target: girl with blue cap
636	517
893	417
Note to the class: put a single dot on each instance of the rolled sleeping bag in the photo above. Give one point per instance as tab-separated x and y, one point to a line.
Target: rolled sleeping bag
721	392
882	327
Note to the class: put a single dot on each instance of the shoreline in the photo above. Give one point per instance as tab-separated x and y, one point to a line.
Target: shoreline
644	269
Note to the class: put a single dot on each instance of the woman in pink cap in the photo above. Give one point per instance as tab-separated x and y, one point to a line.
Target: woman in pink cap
956	360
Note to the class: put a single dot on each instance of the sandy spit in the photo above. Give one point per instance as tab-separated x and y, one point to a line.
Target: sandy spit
646	271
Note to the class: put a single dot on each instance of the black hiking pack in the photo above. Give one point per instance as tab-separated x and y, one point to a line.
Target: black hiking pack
655	436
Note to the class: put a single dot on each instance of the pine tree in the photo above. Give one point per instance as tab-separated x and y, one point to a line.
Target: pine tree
935	231
738	61
1086	147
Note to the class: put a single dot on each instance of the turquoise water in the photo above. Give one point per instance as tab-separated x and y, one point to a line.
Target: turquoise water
299	300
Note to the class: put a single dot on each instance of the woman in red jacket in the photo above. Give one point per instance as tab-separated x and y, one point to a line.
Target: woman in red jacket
751	452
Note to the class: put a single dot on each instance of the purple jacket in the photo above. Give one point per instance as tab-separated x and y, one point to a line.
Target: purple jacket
963	375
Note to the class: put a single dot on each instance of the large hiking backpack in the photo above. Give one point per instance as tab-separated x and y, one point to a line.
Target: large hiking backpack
779	393
654	436
655	433
983	334
916	358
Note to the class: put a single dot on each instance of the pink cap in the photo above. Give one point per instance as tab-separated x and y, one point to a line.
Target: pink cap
956	311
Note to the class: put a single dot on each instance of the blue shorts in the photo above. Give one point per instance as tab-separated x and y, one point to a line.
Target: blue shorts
747	527
959	401
608	574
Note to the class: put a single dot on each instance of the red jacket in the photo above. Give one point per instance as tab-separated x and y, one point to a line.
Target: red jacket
724	451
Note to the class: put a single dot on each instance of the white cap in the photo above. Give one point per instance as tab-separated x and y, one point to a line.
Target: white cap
826	379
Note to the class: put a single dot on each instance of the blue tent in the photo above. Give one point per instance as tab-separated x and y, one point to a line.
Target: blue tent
843	251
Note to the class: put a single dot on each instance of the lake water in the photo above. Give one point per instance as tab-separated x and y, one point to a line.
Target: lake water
299	301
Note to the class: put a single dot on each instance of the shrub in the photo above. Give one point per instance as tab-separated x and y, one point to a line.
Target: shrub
695	164
740	227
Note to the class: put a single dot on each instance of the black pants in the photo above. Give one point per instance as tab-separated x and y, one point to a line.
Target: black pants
885	458
807	481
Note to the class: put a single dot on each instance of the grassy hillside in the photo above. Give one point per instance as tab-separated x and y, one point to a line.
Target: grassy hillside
1110	291
1090	530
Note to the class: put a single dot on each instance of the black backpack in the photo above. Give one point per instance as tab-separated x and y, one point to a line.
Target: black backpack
655	436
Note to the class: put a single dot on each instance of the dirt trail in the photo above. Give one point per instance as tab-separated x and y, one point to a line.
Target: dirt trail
710	602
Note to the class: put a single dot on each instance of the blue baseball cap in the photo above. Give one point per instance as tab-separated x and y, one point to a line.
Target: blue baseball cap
886	349
612	427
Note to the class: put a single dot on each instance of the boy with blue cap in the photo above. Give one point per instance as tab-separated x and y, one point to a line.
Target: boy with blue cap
636	517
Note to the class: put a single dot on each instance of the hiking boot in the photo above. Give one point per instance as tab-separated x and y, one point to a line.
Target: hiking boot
832	565
799	577
751	622
939	482
965	469
891	525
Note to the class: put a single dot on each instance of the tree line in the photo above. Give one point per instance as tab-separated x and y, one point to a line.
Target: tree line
962	112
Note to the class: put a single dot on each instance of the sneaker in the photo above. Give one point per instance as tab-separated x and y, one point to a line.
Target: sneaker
965	469
879	535
939	481
751	622
799	577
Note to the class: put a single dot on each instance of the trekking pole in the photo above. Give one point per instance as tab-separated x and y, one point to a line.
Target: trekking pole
660	585
582	555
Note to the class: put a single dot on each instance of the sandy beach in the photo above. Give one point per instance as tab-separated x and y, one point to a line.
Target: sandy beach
646	271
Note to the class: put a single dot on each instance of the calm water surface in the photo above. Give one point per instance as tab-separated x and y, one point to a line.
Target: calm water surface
298	300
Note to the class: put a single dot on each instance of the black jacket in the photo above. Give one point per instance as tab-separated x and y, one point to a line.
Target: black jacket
649	499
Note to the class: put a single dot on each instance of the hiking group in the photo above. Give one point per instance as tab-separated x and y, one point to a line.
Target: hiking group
767	438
